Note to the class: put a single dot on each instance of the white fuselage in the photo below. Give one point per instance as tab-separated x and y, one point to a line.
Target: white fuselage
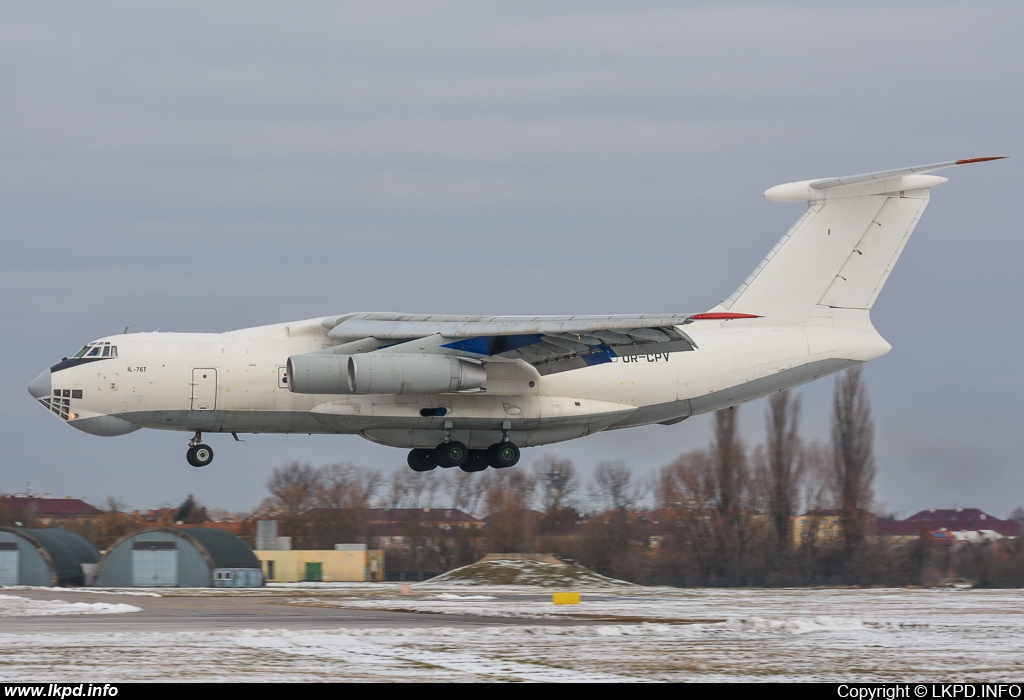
235	382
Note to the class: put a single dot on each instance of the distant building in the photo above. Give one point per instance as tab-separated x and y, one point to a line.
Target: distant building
45	557
46	510
824	526
180	557
965	519
949	526
346	563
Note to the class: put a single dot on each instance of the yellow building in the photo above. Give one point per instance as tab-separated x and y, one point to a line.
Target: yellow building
335	565
825	527
821	526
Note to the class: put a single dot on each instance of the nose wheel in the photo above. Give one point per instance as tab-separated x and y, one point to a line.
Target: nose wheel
198	455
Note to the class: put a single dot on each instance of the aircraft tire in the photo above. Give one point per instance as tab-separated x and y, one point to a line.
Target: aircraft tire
502	455
420	460
451	454
477	461
201	455
190	457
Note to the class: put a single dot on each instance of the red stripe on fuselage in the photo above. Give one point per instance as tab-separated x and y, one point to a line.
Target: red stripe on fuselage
721	316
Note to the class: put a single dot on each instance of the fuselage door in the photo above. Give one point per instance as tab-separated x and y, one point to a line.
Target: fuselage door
204	389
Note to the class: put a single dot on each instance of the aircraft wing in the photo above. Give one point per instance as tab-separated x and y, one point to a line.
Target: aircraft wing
549	343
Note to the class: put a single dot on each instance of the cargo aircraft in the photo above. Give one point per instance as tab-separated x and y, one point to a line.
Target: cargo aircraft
470	391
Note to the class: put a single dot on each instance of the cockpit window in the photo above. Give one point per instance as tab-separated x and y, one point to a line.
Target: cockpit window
97	350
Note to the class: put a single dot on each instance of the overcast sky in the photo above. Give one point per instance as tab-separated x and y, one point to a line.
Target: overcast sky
211	166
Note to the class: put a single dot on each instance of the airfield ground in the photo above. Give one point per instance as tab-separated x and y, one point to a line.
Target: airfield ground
498	623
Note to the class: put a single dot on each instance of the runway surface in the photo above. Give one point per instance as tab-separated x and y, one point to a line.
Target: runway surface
461	633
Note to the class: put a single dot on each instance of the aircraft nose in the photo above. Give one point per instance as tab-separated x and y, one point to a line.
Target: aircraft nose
40	386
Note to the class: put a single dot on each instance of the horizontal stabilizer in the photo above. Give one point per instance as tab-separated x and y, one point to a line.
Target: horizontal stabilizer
880	182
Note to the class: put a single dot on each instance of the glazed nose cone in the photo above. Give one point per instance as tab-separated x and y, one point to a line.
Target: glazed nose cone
40	386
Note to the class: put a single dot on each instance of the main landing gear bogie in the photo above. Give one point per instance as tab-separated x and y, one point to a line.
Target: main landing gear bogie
447	455
198	455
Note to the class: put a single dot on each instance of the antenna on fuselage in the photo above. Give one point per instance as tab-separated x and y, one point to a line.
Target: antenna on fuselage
125	331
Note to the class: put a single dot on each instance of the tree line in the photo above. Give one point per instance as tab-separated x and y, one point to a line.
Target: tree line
724	515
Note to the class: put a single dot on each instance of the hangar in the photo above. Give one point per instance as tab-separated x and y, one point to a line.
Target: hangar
45	557
180	557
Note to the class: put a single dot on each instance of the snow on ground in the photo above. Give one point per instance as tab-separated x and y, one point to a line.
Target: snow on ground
19	605
776	635
618	633
103	591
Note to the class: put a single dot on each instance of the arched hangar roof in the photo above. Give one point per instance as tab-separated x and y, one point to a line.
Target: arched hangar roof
220	548
64	550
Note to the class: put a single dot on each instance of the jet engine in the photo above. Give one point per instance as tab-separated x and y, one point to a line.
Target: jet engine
372	373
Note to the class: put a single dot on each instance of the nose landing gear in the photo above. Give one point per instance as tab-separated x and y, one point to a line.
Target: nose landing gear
198	455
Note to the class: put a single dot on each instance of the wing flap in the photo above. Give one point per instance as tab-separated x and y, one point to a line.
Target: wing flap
408	326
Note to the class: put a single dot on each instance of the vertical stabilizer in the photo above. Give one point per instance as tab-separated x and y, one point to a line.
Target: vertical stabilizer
841	251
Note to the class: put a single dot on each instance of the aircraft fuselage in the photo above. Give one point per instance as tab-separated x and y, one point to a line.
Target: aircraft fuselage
236	382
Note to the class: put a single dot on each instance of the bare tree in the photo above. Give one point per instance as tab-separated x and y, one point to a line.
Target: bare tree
465	489
688	503
730	461
615	541
817	492
615	487
781	468
558	480
293	489
321	506
853	459
507	500
423	487
711	491
342	500
688	483
397	489
347	486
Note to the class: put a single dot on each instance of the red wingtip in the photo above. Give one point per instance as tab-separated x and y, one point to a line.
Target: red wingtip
720	316
979	160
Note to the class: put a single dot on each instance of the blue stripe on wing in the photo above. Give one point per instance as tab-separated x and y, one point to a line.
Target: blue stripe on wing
602	355
494	344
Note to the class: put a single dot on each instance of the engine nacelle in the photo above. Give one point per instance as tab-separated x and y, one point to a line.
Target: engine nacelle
318	374
371	373
408	373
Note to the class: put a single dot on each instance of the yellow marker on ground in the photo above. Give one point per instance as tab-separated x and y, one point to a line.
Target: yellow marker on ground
565	598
